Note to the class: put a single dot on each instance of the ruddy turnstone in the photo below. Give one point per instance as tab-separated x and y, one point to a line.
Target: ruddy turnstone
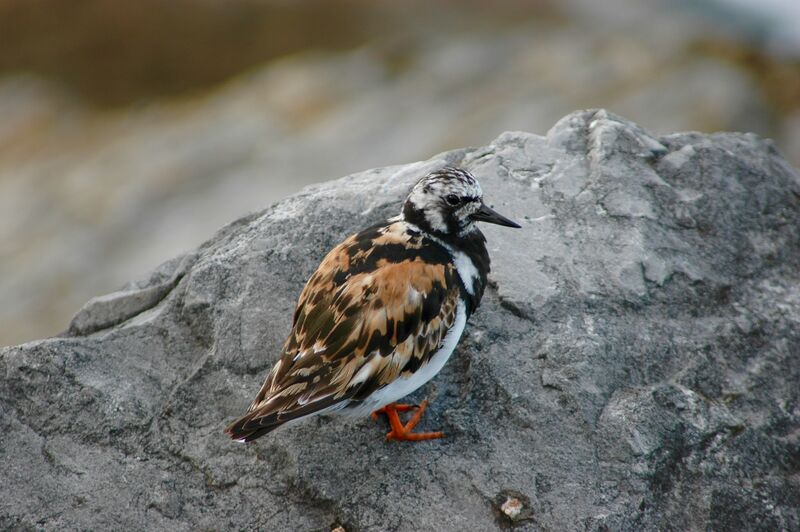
382	313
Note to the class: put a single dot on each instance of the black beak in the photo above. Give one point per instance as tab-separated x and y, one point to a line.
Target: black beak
485	214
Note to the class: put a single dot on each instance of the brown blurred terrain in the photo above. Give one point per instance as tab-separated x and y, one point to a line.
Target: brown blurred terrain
131	131
114	53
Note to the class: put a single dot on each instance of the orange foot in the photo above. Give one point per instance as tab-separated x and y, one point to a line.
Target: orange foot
402	432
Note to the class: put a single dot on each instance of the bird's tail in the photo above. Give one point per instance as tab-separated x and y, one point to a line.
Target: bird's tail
251	426
268	417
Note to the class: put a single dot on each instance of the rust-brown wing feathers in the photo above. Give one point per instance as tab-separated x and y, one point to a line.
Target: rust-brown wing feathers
377	307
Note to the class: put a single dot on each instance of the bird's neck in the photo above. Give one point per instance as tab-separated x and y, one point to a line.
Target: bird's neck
468	254
471	255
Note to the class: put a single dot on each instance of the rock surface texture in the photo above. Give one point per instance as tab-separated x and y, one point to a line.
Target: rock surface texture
635	364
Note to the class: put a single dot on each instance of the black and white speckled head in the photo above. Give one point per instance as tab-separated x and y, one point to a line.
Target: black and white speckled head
449	202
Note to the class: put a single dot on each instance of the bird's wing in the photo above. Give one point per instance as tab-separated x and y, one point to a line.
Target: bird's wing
369	313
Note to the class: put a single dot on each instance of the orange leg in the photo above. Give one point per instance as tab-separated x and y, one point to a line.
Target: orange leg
402	432
399	407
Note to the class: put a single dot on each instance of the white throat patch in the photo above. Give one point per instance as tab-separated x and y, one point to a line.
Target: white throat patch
464	266
466	270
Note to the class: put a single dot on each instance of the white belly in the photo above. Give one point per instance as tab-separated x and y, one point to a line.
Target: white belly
403	386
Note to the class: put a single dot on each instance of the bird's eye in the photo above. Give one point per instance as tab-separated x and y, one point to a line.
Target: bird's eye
452	199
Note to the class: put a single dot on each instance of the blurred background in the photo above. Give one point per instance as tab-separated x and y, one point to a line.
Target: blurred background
131	131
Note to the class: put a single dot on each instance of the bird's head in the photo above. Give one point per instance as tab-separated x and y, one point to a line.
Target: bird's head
449	202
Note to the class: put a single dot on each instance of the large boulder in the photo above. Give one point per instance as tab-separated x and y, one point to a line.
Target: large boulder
635	363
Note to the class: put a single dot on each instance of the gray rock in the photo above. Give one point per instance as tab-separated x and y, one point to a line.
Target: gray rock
634	366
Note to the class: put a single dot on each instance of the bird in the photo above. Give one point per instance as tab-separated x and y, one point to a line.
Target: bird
382	313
